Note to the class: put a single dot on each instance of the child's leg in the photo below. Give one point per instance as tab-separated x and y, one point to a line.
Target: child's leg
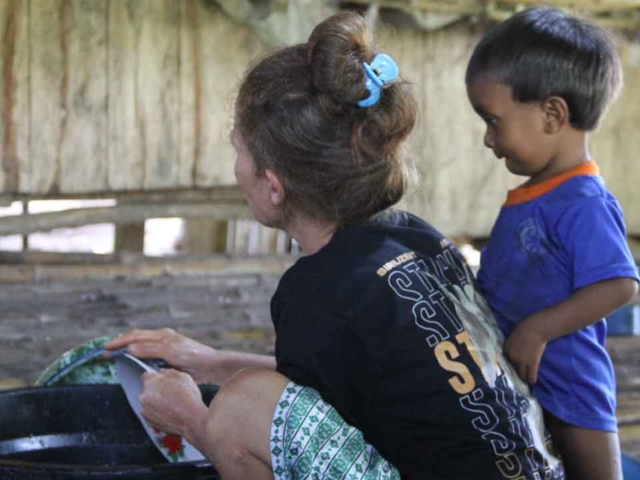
586	454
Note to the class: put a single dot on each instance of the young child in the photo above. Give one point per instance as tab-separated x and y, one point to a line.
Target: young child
557	261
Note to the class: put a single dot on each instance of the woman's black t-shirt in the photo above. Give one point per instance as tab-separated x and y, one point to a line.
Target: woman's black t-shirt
385	322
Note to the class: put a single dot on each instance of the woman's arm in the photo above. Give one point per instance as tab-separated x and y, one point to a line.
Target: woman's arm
230	362
526	343
203	363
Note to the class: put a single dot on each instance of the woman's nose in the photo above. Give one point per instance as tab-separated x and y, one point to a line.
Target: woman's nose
488	140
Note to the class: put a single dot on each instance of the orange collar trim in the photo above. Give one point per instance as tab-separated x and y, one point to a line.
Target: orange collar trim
524	194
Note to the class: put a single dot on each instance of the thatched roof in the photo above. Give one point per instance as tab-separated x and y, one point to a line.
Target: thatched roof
269	18
622	14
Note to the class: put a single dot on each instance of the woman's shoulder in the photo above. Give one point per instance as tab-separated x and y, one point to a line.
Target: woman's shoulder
400	219
356	267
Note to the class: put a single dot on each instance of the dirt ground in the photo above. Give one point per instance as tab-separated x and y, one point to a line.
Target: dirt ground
39	321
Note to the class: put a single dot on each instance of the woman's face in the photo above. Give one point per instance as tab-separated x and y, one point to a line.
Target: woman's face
257	188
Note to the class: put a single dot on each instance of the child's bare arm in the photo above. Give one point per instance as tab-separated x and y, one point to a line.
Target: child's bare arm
526	343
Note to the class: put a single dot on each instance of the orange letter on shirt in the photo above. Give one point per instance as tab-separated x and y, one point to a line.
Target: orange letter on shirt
445	353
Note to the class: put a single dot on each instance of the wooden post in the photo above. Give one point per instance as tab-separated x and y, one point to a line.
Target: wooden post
129	238
25	237
220	231
206	236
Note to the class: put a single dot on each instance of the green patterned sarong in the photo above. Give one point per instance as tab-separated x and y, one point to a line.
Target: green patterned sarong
310	440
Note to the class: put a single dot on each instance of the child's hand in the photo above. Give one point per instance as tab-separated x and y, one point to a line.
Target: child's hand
524	347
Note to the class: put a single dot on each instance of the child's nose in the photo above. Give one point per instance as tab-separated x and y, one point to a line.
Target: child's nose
488	140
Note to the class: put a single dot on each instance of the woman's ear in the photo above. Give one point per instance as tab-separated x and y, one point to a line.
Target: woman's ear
276	188
556	114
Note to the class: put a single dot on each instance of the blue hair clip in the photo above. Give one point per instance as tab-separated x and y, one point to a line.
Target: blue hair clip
381	71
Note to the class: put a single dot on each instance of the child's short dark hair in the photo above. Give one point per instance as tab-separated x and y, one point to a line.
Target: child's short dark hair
542	52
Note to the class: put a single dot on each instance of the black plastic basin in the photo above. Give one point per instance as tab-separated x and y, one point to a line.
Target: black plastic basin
82	431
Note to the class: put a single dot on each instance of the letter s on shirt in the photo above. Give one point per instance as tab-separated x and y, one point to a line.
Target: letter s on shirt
463	382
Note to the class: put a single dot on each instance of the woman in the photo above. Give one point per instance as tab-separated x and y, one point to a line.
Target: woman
387	364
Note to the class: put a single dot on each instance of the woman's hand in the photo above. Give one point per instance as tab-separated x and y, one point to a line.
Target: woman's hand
203	363
181	352
171	402
524	348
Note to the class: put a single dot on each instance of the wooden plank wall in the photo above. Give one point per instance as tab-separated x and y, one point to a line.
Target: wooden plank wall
14	98
115	96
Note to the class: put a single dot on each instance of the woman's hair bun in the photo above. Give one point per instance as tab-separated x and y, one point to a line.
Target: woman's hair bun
336	50
297	112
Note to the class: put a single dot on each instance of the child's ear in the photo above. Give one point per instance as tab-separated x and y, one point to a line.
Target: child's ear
556	114
276	188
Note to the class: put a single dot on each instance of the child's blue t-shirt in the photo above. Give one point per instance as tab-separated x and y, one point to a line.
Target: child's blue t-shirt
548	241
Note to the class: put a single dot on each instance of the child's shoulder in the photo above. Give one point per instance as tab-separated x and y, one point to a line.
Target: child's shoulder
584	200
583	188
581	196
